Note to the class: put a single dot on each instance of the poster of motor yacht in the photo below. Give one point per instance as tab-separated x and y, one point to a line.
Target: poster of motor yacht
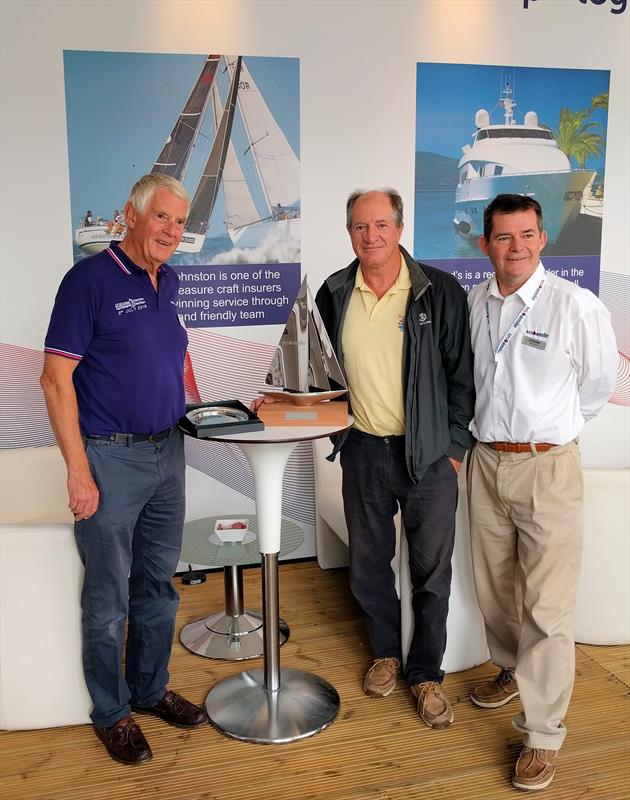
485	130
227	126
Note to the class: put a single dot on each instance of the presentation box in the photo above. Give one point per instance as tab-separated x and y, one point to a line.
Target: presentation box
281	414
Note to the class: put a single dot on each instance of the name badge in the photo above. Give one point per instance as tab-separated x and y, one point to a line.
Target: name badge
531	342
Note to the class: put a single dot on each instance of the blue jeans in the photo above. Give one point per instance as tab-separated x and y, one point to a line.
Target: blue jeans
375	483
130	549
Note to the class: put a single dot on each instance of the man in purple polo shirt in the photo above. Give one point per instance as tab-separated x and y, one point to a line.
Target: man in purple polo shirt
113	381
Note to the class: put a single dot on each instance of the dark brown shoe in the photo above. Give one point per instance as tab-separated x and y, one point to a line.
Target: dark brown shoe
176	710
125	742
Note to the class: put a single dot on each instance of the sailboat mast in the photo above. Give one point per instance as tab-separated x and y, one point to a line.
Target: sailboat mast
208	187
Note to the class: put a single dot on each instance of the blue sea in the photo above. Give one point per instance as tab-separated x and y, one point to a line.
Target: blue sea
434	235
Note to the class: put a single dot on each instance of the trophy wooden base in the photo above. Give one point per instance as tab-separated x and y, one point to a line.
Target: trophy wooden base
282	414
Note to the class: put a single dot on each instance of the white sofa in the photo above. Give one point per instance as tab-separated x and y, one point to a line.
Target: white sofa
466	640
40	584
603	598
602	614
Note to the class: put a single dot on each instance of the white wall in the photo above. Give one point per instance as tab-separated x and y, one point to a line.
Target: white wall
358	68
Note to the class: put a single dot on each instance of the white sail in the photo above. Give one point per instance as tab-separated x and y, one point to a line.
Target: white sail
276	162
240	209
262	203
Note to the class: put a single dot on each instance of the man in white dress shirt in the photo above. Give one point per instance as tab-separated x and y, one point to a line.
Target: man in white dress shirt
545	362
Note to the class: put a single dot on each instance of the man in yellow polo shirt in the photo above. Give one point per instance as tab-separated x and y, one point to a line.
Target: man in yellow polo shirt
400	331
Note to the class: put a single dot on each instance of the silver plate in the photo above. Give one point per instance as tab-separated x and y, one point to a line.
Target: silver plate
216	415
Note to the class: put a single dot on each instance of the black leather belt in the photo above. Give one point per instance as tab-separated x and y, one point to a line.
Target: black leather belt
132	438
372	439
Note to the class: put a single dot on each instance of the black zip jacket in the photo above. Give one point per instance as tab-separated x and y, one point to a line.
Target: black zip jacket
438	361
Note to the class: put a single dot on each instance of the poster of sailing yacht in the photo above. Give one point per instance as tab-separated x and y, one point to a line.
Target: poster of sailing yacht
485	130
227	126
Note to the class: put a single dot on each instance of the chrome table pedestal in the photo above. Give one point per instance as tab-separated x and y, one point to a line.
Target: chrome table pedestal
234	634
272	705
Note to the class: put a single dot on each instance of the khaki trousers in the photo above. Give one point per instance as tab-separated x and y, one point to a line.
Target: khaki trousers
526	534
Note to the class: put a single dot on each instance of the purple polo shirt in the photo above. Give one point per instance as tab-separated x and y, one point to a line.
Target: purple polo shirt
128	341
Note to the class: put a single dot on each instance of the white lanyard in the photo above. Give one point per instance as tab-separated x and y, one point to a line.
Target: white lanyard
517	322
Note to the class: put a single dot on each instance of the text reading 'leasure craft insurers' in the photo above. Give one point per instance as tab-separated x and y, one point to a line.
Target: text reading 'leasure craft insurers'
237	294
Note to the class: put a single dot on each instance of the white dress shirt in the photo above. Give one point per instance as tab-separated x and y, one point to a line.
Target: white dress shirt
557	369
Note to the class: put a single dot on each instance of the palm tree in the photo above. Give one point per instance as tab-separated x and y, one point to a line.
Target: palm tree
577	136
599	101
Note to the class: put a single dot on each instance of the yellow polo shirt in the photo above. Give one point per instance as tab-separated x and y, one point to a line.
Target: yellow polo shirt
372	344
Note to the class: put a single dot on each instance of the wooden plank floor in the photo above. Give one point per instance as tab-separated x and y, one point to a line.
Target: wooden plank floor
375	750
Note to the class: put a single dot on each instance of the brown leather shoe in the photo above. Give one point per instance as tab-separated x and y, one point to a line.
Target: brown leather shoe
534	769
176	710
380	679
125	742
497	692
433	706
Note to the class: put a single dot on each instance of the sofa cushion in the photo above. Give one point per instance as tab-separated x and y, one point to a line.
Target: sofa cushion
33	485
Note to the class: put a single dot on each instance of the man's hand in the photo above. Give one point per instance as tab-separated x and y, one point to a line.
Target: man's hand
457	465
63	413
84	495
257	402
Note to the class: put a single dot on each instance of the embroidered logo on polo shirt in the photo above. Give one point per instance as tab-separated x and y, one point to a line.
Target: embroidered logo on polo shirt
401	322
130	305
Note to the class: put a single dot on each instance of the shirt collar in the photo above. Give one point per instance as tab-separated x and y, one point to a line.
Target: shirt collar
402	282
125	263
526	291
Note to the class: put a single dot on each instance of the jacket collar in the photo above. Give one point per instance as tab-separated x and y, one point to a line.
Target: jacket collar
419	279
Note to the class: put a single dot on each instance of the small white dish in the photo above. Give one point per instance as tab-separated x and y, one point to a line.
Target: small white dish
231	530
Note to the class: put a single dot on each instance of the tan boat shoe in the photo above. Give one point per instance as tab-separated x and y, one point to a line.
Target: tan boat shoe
380	679
497	692
433	706
534	769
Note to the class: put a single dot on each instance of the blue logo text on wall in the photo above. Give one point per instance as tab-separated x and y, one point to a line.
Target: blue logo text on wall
616	6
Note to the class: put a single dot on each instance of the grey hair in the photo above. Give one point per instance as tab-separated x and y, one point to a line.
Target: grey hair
394	198
143	188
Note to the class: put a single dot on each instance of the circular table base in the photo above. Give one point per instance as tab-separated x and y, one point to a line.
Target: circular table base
242	708
230	638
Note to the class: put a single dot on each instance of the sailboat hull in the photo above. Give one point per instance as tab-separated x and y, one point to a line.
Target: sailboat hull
191	242
95	238
559	194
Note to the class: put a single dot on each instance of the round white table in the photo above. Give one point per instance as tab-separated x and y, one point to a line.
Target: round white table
272	705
